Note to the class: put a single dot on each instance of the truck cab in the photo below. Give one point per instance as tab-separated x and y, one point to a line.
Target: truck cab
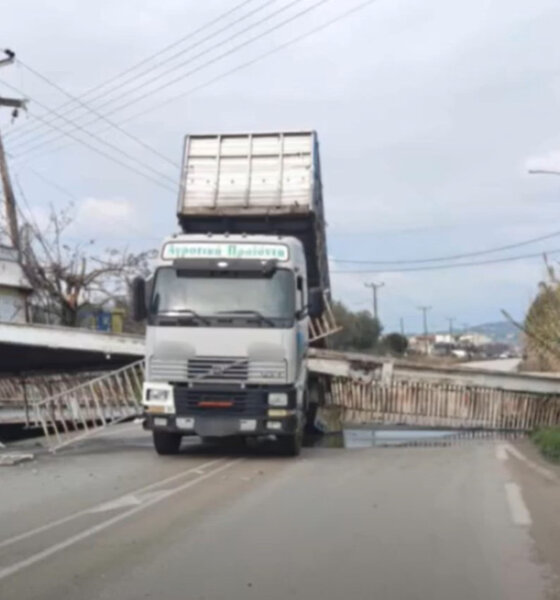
227	334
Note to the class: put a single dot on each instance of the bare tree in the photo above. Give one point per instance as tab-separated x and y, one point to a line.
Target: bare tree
66	276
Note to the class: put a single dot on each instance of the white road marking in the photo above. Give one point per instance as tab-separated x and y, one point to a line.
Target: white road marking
501	453
130	500
543	471
122	502
21	536
47	552
517	507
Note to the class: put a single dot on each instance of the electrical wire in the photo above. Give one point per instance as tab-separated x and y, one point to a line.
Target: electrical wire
404	261
113	159
98	139
452	266
244	65
135	66
143	84
26	150
98	114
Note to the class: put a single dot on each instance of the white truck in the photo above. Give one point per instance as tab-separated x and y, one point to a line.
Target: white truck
231	303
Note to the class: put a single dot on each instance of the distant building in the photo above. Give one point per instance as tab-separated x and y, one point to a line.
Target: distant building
14	287
474	339
421	344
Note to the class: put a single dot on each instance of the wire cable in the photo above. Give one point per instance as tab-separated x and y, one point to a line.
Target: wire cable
135	66
95	137
113	159
452	266
109	101
404	261
244	65
97	113
25	150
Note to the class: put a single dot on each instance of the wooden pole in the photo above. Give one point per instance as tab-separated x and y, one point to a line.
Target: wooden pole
9	199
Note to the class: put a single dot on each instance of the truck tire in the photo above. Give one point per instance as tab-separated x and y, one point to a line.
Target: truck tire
166	443
290	445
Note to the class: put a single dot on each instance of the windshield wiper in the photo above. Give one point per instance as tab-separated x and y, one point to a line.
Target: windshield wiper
184	312
254	313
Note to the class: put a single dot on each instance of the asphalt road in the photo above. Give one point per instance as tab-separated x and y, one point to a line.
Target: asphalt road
475	519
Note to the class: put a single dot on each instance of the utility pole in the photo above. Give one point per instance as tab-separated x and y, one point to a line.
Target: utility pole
425	310
374	287
9	197
451	320
402	327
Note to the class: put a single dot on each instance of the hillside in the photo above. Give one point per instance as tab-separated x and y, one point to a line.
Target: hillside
499	331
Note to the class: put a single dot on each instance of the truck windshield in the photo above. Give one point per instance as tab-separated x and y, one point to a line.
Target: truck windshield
262	298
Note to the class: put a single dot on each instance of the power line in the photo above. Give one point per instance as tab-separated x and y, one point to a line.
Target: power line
452	256
135	66
202	66
219	44
113	159
98	114
453	266
100	140
341	16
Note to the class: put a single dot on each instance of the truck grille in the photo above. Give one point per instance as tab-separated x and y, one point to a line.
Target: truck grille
165	369
217	369
247	403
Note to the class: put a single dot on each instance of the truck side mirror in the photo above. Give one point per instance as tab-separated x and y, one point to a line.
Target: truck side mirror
139	310
316	303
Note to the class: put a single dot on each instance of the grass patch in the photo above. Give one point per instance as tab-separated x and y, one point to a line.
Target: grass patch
548	442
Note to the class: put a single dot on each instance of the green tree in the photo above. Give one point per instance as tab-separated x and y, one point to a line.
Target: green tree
395	343
360	331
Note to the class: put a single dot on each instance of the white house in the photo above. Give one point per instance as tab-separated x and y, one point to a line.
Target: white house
14	287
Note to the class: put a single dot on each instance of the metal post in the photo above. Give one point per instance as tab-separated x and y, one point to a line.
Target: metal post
374	287
25	401
451	320
425	310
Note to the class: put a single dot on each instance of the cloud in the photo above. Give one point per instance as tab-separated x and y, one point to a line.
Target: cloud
546	162
105	217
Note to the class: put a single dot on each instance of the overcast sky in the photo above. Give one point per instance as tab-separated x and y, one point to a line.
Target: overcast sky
428	114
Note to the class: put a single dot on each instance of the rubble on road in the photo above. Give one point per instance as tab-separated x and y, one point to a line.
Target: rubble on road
9	460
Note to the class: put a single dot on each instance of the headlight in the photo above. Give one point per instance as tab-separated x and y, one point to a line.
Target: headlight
158	394
278	399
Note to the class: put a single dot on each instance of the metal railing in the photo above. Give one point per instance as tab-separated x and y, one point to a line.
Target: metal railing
90	407
325	325
443	405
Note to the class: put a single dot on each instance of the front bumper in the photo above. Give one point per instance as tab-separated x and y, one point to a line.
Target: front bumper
226	411
222	426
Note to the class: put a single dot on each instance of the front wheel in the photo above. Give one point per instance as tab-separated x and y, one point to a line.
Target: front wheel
290	445
166	443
